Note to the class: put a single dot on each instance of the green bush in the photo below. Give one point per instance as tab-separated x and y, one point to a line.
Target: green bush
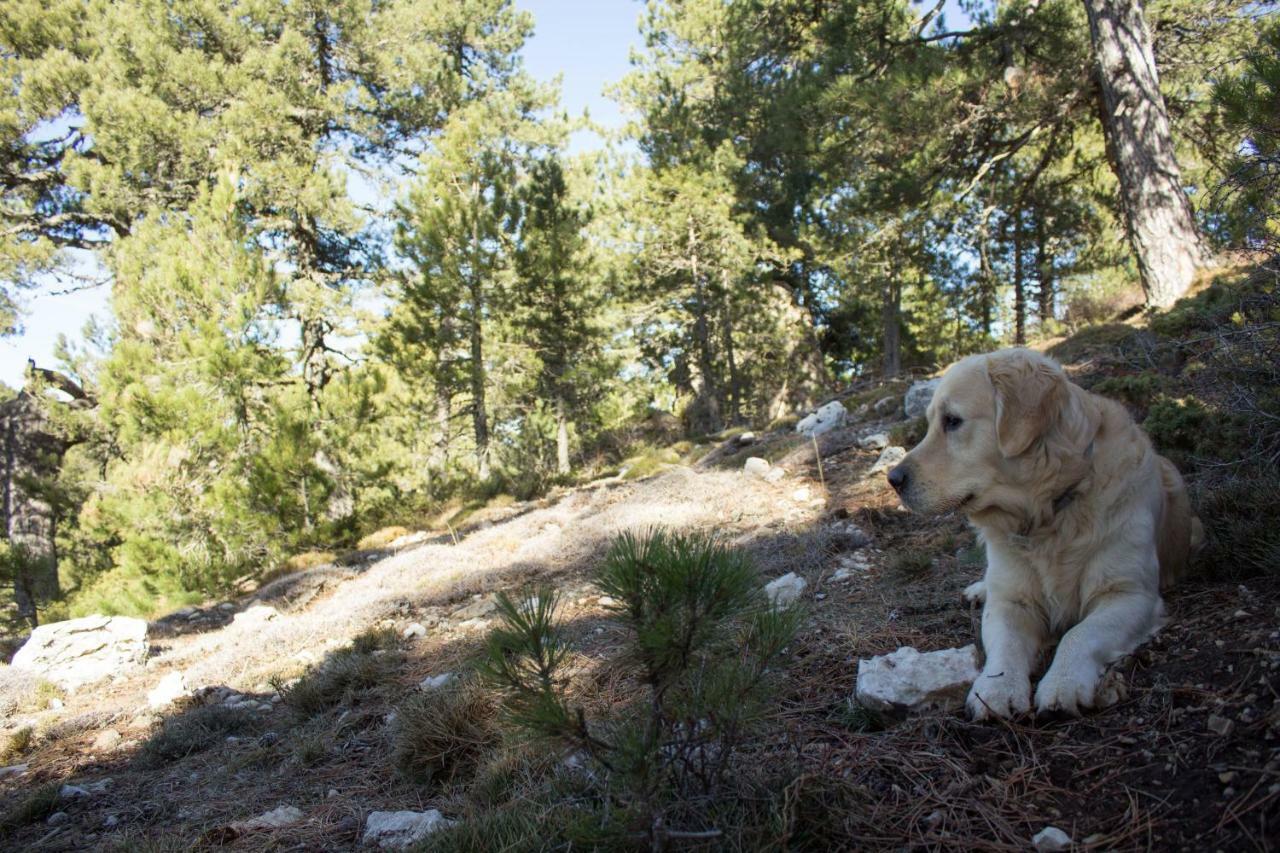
703	644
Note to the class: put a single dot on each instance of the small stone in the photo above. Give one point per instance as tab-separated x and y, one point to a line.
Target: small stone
1051	840
277	818
395	830
820	596
1241	614
435	682
607	601
333	792
110	820
875	441
72	792
1219	725
841	574
417	629
58	818
172	687
827	418
786	589
755	465
106	741
889	457
226	606
801	494
746	438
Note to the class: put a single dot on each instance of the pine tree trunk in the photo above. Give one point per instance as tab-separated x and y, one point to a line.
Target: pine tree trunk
890	314
1044	273
479	418
444	406
562	435
1019	285
315	362
1159	219
986	275
726	333
31	455
709	392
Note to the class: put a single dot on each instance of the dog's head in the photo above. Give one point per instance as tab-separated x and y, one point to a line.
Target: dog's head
996	423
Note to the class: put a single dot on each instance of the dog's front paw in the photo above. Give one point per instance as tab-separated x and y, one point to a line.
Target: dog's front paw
999	695
975	593
1072	689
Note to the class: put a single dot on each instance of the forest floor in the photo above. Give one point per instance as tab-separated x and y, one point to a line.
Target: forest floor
1188	761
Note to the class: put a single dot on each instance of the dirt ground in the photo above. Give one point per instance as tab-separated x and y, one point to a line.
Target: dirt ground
1188	761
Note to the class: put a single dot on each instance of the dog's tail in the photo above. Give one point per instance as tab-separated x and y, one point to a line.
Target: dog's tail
1197	535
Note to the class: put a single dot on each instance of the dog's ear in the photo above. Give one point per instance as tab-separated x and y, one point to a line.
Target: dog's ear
1030	393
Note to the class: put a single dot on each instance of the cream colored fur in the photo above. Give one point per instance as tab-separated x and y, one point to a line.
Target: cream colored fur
1084	524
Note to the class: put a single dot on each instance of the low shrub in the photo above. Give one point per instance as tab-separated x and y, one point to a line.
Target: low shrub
443	733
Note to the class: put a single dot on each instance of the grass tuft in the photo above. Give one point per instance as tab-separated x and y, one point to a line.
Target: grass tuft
197	730
444	733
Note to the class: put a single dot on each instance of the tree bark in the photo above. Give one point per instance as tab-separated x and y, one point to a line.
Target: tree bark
562	435
31	457
1044	273
726	334
479	418
1158	216
709	391
986	275
890	314
1019	285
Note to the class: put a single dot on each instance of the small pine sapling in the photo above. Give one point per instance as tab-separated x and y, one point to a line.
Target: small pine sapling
704	643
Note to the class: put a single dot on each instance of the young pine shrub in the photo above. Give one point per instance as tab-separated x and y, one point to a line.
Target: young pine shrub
703	646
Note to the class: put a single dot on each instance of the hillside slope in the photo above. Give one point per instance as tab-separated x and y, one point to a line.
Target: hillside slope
1188	760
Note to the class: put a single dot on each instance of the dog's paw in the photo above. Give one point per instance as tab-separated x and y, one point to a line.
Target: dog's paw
975	593
1075	689
999	695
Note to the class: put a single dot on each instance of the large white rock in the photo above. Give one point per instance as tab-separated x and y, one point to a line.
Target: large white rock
786	589
393	830
756	465
908	680
827	418
83	651
889	457
919	395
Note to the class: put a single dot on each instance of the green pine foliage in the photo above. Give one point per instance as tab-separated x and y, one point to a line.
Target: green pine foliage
704	646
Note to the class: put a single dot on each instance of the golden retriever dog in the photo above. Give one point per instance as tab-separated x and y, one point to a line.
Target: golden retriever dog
1084	525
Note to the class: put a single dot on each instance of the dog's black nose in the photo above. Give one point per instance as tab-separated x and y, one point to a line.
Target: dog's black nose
898	477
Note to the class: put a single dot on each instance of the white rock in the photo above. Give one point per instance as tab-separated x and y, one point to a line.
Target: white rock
89	789
827	418
756	465
259	614
394	830
83	651
912	681
12	770
607	601
277	818
745	438
106	741
875	441
435	682
172	687
1051	840
773	475
408	539
889	457
417	629
801	494
841	574
786	589
919	395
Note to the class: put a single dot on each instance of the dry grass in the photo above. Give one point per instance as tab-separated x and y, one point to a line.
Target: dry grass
442	734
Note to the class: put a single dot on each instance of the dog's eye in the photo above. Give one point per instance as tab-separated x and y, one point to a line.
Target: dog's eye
951	422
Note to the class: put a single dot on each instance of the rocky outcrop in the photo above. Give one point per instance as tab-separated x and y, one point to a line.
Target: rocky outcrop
84	651
919	395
